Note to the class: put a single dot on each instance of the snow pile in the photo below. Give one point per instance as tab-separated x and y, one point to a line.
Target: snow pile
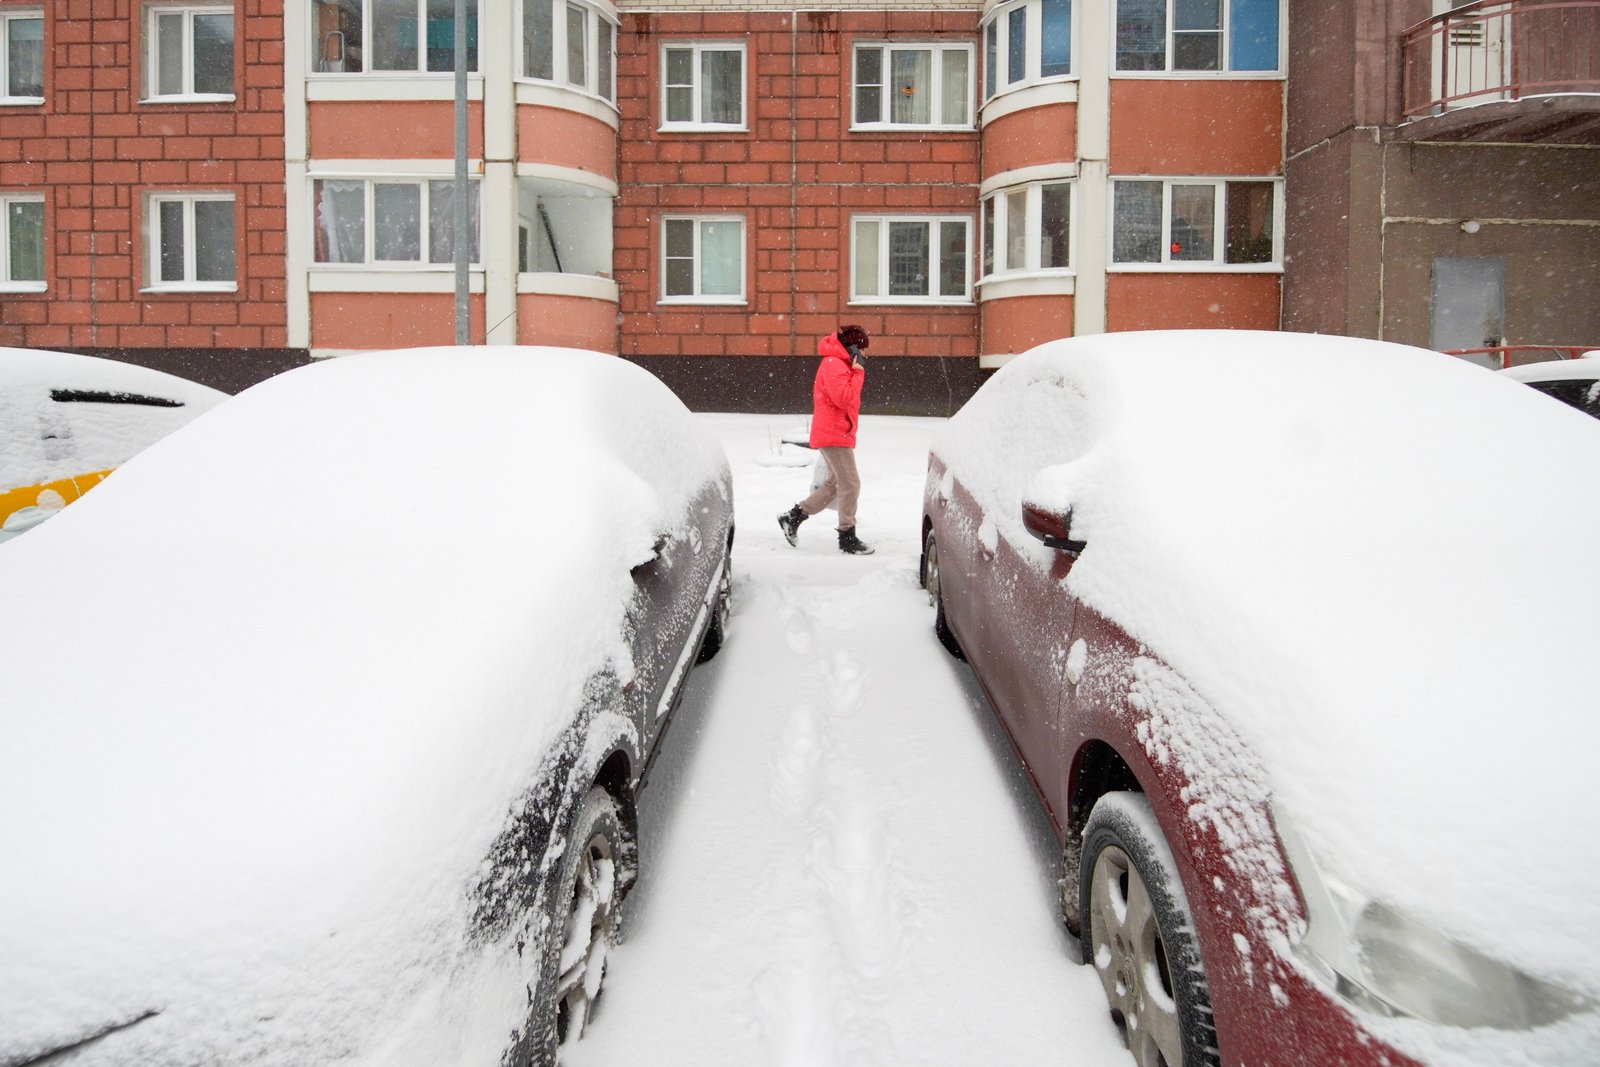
43	439
1374	561
272	687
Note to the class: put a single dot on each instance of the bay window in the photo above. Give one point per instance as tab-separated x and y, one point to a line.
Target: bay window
1028	229
1199	35
22	248
904	259
21	57
702	259
1196	223
913	85
1026	42
358	36
389	221
702	85
571	44
191	241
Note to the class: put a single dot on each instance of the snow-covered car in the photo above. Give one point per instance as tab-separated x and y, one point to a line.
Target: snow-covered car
1299	660
1575	382
66	420
325	716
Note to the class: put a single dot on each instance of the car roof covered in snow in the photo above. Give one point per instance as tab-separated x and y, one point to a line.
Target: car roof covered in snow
1584	367
1375	561
260	734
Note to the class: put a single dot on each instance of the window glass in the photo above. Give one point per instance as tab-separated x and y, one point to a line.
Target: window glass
338	29
24	241
954	95
169	53
867	251
1016	229
990	53
680	257
1136	222
1017	44
24	56
908	259
1197	35
1253	35
1194	222
213	241
723	71
442	221
721	248
987	222
538	40
169	218
604	57
340	209
911	76
1055	32
577	45
441	31
869	85
394	34
1055	218
952	259
680	85
1141	34
397	222
1248	222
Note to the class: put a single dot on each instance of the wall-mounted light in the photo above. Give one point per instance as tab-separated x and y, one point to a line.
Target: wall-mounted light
1471	226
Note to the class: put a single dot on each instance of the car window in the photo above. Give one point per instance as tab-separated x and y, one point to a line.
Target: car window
97	396
1583	394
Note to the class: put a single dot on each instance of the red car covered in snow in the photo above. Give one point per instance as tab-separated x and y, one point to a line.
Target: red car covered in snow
1295	656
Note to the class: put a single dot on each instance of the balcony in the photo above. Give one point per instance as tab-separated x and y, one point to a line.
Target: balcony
1518	71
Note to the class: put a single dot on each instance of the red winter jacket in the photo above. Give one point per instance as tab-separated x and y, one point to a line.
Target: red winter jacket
835	397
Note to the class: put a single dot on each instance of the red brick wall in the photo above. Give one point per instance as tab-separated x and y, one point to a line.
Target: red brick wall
796	176
96	151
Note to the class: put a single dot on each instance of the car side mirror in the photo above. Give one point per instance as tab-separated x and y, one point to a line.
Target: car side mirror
1054	528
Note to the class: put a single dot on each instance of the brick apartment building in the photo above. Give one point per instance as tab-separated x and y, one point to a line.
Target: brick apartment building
224	189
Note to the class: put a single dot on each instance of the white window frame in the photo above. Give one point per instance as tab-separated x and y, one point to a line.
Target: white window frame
697	297
998	22
152	52
8	284
368	261
998	205
368	27
152	229
592	83
1226	71
8	17
939	50
697	88
1217	264
933	297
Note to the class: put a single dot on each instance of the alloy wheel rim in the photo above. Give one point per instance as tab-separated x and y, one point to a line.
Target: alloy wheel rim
931	572
1131	959
591	925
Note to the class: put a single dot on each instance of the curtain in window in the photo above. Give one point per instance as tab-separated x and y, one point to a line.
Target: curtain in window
341	221
213	54
397	222
1055	38
538	40
25	230
954	95
169	54
722	94
867	257
213	241
869	85
911	79
908	259
721	259
442	221
1136	223
577	45
1141	34
1194	222
25	57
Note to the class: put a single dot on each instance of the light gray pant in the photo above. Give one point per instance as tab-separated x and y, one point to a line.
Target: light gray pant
841	489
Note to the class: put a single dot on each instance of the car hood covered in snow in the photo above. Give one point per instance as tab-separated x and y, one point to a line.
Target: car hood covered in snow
259	738
1377	563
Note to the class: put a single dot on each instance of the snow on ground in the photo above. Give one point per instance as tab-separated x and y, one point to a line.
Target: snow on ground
841	861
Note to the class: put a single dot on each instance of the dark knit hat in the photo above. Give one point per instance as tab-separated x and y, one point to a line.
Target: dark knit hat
853	335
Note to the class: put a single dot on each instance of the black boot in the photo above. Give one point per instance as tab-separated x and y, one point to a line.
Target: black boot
853	545
789	522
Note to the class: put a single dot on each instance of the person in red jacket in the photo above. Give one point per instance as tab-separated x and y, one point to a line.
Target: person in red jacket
836	411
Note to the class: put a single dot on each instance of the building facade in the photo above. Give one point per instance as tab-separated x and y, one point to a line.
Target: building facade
707	187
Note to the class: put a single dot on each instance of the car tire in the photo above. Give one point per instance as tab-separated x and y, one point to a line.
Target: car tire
717	629
1138	934
595	873
930	582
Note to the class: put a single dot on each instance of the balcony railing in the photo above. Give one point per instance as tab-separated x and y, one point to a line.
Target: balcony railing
1504	356
1495	51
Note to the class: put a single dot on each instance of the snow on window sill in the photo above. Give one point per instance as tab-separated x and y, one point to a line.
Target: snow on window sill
189	98
912	301
24	287
191	287
1195	268
702	127
911	127
21	101
718	301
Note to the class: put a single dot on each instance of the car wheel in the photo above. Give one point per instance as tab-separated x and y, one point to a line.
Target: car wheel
711	644
588	914
930	582
1139	936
